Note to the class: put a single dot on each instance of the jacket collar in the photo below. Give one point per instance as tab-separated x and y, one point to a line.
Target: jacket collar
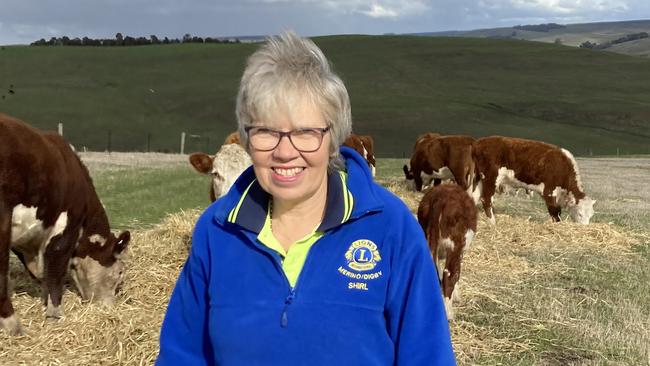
348	196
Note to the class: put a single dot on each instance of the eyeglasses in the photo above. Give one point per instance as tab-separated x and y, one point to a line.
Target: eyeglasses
303	140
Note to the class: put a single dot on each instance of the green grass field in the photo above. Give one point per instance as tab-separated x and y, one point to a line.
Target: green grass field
593	103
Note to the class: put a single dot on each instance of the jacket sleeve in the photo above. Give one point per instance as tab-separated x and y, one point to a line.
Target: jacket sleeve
417	322
184	338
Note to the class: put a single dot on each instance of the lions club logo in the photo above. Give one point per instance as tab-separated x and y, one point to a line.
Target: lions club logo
362	255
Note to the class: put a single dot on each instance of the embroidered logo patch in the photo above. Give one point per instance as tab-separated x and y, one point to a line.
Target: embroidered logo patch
362	255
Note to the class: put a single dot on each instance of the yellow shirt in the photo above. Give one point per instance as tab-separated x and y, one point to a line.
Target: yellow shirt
294	259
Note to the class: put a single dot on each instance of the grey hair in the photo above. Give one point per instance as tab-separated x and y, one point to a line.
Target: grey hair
284	71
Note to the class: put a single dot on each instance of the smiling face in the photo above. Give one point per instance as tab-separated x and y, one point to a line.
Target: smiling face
291	176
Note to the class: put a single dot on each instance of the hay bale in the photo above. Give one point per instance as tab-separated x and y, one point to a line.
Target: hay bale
93	334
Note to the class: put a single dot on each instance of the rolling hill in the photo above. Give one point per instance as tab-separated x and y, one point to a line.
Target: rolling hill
569	34
142	98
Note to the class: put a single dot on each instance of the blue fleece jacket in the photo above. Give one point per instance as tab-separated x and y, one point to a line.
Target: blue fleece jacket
368	293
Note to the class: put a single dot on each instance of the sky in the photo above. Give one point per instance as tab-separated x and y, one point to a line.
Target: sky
25	21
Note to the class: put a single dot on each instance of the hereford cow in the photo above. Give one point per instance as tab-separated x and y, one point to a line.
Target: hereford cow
364	145
447	215
442	157
52	219
544	168
369	145
225	166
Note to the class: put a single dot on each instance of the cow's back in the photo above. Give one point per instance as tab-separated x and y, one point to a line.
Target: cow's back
32	170
533	162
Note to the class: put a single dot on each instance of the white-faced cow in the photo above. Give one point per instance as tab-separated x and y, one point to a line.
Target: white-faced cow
544	168
224	167
447	215
364	145
52	219
441	157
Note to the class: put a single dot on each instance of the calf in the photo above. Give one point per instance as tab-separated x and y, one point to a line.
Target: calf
52	219
537	166
441	157
225	166
447	215
364	146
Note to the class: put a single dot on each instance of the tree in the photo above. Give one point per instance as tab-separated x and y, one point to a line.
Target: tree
119	39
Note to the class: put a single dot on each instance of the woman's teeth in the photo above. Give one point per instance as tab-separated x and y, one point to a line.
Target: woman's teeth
287	172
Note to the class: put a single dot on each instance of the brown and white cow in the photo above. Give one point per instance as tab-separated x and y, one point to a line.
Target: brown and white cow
439	158
447	215
52	219
364	145
544	168
225	166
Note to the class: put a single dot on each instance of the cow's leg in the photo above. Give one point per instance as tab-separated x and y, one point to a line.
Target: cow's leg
553	208
21	256
57	257
417	179
433	235
8	319
451	275
487	192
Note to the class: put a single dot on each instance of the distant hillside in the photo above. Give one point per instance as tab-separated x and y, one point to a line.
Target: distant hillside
142	98
568	34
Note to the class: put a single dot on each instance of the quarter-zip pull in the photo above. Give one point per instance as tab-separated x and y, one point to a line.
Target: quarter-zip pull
284	321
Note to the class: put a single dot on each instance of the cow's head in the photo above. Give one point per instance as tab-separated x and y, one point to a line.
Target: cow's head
204	164
582	211
410	181
98	266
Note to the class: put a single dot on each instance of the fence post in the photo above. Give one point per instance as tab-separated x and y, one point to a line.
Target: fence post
60	129
108	147
182	143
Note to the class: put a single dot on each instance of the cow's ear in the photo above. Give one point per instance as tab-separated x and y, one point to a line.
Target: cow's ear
202	162
407	173
122	242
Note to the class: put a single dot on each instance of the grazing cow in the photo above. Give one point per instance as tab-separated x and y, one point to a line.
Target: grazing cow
225	166
52	219
364	145
447	215
442	157
544	168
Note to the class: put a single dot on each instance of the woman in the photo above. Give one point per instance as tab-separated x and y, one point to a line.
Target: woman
306	261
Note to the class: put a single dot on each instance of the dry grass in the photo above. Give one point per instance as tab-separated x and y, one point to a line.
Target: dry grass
511	304
115	161
93	334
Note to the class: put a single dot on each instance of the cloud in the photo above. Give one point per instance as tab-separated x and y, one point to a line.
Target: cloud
556	7
378	11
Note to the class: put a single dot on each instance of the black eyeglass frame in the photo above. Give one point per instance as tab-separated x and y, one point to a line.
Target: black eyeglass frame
322	130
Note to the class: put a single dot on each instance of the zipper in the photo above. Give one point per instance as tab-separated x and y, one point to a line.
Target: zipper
284	321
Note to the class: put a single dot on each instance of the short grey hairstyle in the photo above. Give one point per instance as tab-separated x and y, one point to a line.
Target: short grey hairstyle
279	74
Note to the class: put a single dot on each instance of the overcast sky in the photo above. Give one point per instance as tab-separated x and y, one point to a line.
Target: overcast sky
24	21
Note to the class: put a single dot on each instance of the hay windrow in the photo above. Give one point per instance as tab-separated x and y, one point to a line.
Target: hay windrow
500	260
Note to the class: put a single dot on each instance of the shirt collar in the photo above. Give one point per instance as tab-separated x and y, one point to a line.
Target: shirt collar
250	210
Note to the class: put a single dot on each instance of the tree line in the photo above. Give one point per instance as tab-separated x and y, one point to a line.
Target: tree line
121	40
626	38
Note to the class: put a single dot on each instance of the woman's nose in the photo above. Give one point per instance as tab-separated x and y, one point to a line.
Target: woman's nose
285	149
